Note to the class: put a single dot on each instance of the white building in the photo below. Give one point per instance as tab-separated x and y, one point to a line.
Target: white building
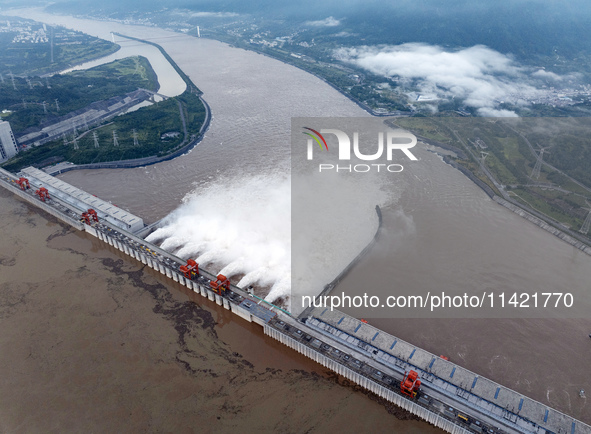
8	146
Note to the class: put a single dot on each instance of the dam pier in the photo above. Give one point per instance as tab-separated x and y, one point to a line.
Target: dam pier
450	397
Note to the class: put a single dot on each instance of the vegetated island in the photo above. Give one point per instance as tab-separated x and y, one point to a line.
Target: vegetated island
154	133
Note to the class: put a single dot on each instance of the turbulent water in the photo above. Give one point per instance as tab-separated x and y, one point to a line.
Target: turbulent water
241	225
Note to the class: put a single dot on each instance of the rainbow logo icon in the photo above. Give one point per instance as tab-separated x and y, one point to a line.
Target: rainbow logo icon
316	138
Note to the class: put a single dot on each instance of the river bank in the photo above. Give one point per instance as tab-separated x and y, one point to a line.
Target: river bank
527	213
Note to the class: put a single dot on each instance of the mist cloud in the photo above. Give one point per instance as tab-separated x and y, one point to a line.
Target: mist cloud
327	22
205	14
478	75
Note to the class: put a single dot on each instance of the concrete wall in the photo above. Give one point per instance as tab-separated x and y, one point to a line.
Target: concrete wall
365	382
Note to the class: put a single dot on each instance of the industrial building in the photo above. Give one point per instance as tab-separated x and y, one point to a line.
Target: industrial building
82	200
8	146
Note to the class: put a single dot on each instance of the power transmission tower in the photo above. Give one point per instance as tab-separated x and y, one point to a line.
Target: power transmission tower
65	140
587	223
24	103
29	83
76	143
44	107
12	79
135	142
74	130
535	174
115	141
95	138
1	78
85	124
483	156
57	105
47	83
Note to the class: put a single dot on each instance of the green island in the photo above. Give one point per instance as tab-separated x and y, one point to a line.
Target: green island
155	130
89	116
538	164
64	93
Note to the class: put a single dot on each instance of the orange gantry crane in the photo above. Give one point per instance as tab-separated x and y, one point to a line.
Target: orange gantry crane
221	284
43	194
410	384
191	269
24	183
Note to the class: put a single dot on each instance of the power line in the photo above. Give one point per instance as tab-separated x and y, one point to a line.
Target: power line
51	38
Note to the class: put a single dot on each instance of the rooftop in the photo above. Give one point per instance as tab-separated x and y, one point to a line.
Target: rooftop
92	201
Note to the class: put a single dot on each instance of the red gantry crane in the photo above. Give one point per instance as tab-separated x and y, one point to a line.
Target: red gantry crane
24	183
221	284
410	384
43	194
191	269
89	216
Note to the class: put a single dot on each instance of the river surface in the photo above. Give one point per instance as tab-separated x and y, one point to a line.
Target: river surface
443	232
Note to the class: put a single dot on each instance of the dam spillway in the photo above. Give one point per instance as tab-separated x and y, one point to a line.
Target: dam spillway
452	398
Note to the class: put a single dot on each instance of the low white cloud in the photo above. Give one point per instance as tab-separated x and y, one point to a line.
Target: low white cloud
543	74
187	13
478	75
496	113
327	22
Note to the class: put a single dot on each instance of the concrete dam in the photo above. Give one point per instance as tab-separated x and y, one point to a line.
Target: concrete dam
450	397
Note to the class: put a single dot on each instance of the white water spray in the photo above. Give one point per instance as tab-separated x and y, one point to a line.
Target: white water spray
241	224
